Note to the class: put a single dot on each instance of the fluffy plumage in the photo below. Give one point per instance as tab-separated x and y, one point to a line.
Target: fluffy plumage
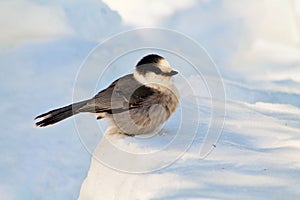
136	103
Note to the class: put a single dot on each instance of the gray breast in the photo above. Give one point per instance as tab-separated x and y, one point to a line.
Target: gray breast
147	114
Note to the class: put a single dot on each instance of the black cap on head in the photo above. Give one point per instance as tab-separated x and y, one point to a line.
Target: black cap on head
152	58
149	64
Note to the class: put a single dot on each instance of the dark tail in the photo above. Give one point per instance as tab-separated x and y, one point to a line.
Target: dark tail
59	114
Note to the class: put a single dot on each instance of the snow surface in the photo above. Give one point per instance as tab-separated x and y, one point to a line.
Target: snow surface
255	44
254	159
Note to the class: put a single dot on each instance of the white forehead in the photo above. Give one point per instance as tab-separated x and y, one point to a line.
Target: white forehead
164	65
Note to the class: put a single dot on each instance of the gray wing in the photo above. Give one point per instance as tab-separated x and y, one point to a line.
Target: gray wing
123	94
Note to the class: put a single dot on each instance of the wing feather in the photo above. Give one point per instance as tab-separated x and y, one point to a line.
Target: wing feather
123	94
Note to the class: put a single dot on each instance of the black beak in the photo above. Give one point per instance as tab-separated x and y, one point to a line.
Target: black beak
172	73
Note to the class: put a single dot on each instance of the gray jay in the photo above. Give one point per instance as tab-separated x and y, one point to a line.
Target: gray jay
136	103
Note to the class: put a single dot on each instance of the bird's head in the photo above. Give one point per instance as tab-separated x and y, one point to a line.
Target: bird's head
154	69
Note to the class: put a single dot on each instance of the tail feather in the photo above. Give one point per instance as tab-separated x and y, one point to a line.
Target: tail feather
59	114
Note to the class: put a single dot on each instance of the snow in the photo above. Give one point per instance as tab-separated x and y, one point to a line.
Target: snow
255	45
258	149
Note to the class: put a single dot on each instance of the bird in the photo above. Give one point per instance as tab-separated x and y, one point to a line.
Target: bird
136	103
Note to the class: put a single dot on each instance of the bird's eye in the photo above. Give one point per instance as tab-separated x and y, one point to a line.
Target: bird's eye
157	71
